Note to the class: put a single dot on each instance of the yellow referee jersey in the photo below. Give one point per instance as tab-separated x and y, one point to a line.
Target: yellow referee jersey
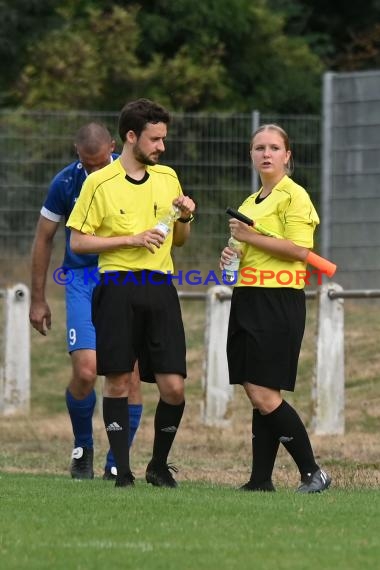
289	212
111	204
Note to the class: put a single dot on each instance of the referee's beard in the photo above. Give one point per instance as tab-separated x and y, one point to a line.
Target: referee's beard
144	158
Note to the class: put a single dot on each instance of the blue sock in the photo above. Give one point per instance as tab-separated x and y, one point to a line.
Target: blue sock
135	412
81	412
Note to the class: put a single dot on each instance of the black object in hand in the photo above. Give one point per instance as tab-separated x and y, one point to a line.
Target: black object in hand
241	217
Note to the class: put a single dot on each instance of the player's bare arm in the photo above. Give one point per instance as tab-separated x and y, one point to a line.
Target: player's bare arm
82	243
39	313
281	248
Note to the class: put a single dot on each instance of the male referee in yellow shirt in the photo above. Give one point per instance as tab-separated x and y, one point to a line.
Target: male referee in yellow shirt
135	307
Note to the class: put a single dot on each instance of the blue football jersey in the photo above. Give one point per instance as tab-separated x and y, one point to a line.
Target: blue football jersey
61	197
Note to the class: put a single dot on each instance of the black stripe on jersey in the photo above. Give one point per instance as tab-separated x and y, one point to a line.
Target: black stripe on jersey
92	198
289	201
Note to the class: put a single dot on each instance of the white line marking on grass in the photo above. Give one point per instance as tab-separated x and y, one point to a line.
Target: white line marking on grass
111	544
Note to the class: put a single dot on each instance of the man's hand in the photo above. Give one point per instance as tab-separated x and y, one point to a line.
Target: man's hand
150	239
40	316
186	205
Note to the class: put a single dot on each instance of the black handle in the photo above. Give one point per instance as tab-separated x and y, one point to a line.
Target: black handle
241	217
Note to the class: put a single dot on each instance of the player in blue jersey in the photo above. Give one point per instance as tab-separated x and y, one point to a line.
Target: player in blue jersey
94	146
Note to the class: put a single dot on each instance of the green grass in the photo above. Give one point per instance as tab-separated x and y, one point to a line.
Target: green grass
56	523
49	521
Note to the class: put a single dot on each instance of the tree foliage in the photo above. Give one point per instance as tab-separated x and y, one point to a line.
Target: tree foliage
260	61
21	23
344	34
227	55
73	65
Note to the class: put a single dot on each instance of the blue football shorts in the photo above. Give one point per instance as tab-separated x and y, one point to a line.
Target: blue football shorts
80	332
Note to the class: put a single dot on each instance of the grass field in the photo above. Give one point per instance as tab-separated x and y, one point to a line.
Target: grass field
53	522
49	521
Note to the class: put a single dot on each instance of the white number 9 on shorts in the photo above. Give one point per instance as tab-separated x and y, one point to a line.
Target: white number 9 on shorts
72	336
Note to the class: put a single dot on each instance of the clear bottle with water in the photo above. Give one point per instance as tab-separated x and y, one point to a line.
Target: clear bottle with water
165	224
230	270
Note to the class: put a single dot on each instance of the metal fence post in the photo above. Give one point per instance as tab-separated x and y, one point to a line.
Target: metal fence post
217	391
328	382
15	397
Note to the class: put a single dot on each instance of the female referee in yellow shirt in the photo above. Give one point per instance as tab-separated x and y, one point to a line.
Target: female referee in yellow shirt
267	317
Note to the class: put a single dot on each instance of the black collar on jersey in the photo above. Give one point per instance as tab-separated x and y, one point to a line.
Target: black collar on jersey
134	181
259	199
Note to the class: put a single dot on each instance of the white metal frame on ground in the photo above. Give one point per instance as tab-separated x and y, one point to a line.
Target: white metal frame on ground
15	361
328	378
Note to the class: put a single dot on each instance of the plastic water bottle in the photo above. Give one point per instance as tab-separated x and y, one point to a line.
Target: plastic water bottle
230	270
166	223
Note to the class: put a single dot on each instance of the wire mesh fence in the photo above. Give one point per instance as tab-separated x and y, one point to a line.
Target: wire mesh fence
210	153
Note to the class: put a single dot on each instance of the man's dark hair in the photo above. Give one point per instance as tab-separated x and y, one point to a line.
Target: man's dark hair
135	115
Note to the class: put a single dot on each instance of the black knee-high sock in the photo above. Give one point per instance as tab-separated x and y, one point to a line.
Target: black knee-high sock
264	449
166	422
287	426
116	421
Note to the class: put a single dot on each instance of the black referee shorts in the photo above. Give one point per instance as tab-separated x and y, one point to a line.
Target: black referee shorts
138	316
265	332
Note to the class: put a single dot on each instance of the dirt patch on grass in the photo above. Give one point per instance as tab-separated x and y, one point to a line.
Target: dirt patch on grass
218	455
